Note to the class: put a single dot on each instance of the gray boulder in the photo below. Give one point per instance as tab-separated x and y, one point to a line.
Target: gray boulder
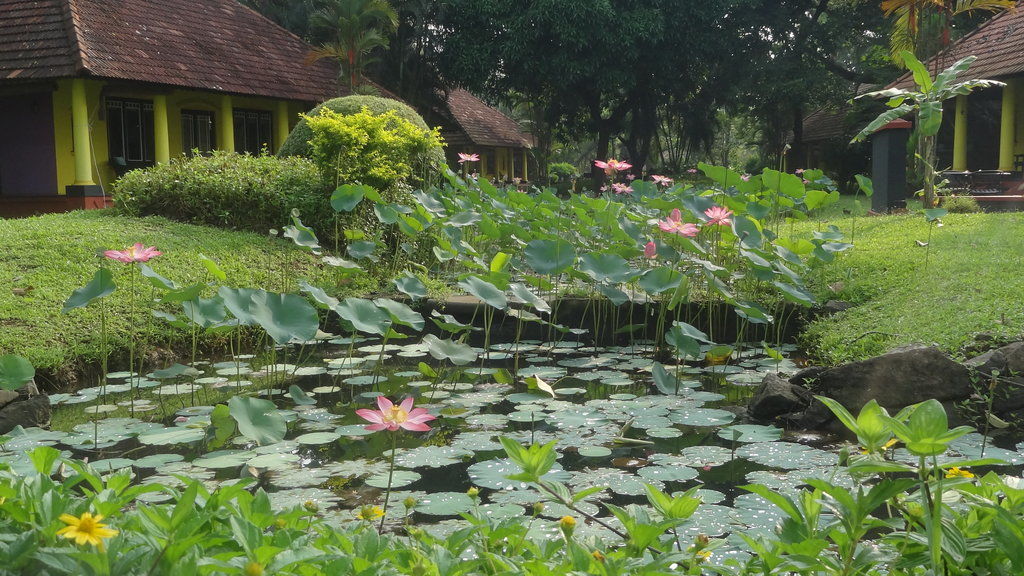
1008	360
28	408
897	379
777	397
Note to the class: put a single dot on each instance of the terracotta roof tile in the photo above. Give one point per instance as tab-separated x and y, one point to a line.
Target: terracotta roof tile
34	40
484	125
998	44
216	45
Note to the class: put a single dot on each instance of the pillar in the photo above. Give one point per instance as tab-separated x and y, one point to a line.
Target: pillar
1008	126
282	125
889	166
80	124
526	164
960	135
227	124
161	138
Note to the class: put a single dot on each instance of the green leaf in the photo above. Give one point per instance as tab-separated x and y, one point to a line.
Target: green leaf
883	119
748	232
285	317
364	316
102	285
549	256
411	286
301	234
347	196
455	352
239	302
213	268
921	76
929	116
205	312
361	249
606	267
257	419
156	280
299	396
933	214
223	426
485	291
401	314
15	372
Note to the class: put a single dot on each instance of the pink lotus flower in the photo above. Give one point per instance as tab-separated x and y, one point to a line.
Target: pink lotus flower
463	158
650	250
675	225
621	188
691	171
604	188
718	216
661	180
612	166
134	253
799	171
392	417
745	177
630	176
806	181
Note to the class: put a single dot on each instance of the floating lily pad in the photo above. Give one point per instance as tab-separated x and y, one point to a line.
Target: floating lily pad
494	474
444	504
401	478
169	436
702	417
316	438
667	473
750	433
431	457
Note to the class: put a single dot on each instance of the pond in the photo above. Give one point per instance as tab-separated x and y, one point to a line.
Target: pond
614	422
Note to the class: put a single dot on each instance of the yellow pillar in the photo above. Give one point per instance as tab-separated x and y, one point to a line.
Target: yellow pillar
227	124
526	164
960	135
161	138
282	128
80	124
1008	126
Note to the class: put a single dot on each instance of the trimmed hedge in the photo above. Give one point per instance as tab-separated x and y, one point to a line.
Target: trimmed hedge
228	190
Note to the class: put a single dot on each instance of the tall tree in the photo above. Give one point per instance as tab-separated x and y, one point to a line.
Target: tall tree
600	67
352	29
924	27
409	66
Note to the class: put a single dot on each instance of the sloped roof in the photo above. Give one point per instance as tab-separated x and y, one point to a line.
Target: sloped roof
216	45
34	40
484	125
998	44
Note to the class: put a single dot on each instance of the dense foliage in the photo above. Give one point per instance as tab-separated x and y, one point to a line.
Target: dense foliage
297	143
224	189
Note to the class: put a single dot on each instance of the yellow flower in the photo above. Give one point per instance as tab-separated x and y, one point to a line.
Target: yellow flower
702	555
956	472
369	513
598	556
892	442
86	529
567	524
253	569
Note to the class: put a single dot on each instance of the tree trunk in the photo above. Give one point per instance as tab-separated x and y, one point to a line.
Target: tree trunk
798	152
601	151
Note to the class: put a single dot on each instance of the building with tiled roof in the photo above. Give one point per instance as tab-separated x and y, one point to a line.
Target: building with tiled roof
90	88
985	128
470	126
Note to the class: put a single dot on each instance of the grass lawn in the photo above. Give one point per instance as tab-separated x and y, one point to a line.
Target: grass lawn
972	282
45	258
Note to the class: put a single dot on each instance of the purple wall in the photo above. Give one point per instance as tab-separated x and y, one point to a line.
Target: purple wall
27	153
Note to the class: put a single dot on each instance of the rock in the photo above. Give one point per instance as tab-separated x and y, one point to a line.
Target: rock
807	376
8	396
897	379
777	397
1008	360
26	412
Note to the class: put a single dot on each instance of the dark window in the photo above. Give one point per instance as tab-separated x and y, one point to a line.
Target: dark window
130	131
252	131
197	131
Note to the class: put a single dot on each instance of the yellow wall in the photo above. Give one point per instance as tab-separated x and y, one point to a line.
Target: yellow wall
176	101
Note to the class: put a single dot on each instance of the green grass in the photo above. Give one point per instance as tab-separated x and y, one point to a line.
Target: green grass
45	258
972	283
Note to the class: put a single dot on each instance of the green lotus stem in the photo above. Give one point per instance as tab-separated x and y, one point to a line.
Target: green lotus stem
632	441
391	474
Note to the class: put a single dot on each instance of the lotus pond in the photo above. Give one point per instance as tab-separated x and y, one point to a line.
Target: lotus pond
619	420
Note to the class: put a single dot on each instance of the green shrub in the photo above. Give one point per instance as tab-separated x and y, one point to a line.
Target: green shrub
297	143
961	204
561	171
380	150
225	189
